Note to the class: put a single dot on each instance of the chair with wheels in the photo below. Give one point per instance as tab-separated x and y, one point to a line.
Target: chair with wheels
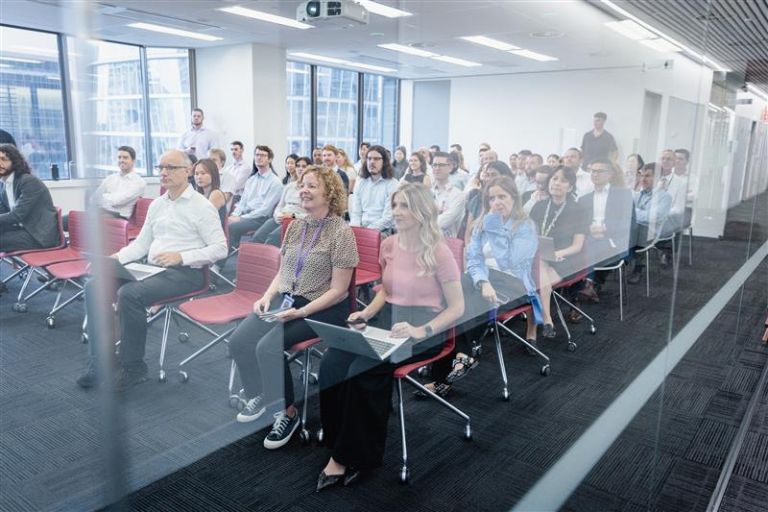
623	295
368	247
558	297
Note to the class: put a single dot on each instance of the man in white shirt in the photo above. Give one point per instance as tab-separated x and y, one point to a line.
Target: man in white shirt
199	139
572	159
118	193
239	168
370	205
260	197
674	185
449	199
330	153
226	180
181	233
682	159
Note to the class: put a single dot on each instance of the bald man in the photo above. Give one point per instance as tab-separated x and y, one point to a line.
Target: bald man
183	235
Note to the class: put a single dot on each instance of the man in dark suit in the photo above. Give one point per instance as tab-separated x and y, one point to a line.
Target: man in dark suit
27	215
610	207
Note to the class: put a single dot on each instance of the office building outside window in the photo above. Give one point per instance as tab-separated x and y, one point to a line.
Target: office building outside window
337	108
299	98
169	97
380	110
31	102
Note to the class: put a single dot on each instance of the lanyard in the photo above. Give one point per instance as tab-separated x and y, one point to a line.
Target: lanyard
302	253
546	229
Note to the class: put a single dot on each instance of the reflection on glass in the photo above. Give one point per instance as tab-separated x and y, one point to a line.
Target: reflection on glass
31	105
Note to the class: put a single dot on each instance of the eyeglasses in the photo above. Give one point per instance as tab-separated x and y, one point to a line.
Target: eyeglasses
441	165
262	155
374	158
161	168
598	171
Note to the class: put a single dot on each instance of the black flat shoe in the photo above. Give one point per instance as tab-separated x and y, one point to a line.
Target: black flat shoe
324	481
531	342
548	331
351	476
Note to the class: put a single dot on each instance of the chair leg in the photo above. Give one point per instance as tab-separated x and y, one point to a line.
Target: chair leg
690	246
305	437
404	473
166	328
555	297
621	293
500	325
437	397
502	367
647	274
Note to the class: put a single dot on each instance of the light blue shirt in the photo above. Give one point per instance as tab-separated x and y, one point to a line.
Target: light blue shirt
260	197
371	203
652	207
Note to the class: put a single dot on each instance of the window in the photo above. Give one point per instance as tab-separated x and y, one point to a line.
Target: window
380	110
169	97
31	102
299	83
337	108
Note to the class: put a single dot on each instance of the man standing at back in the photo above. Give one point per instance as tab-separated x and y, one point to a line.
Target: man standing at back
199	139
182	233
118	193
598	143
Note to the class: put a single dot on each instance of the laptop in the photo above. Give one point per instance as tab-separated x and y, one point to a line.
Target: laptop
547	248
370	342
130	271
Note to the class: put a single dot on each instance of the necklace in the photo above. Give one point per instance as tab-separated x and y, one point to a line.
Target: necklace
545	229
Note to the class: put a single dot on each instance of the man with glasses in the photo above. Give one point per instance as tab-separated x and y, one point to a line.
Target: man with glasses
541	179
611	210
370	205
181	233
199	139
449	199
652	205
260	197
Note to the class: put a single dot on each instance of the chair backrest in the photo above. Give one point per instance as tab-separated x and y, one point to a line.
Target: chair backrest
140	211
368	247
257	265
284	228
115	235
456	245
60	223
78	226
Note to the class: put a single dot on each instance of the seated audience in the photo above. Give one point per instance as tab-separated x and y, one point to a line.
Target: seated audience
563	220
290	169
345	165
676	186
208	183
182	233
317	156
500	259
27	216
421	284
513	163
319	255
118	193
633	168
400	162
572	158
553	160
227	187
532	197
371	206
361	152
448	198
239	169
262	192
652	206
289	206
610	210
417	170
527	181
330	155
474	196
459	176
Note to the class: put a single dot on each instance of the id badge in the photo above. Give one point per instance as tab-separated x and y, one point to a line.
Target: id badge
287	302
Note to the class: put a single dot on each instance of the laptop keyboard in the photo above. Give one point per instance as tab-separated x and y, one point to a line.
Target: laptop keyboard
380	347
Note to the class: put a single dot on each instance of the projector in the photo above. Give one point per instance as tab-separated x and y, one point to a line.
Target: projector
345	13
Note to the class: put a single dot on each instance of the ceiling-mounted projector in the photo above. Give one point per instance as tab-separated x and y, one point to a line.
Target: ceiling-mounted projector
332	12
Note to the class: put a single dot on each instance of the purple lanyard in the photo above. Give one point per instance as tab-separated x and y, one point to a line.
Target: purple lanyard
302	253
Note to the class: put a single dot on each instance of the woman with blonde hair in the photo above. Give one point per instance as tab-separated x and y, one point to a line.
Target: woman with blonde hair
421	284
346	165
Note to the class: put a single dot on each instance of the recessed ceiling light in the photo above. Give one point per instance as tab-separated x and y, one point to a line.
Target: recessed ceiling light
265	16
174	31
26	61
528	54
321	58
630	29
383	10
661	45
407	49
491	43
459	62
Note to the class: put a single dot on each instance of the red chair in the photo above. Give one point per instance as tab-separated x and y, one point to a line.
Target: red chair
138	217
39	259
403	372
368	248
257	265
558	297
115	237
13	258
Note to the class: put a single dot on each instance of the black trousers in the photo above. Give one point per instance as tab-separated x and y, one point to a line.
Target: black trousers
356	396
133	297
258	349
17	239
238	229
268	233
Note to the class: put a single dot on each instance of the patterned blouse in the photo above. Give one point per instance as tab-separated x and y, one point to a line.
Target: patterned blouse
334	247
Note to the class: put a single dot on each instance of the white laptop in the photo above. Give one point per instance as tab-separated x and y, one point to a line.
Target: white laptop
370	342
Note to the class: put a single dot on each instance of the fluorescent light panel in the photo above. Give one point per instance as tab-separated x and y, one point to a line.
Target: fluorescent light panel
383	10
174	31
528	54
630	29
491	43
265	16
458	62
334	60
407	49
660	45
371	67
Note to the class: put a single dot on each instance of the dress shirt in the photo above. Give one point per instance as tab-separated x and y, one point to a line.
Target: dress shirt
371	206
450	208
119	192
9	191
189	225
600	201
290	202
674	185
584	183
261	194
459	179
652	209
240	171
202	139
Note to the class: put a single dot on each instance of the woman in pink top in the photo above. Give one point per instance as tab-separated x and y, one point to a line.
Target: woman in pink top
422	285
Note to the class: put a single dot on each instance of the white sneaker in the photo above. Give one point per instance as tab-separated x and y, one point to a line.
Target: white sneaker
252	411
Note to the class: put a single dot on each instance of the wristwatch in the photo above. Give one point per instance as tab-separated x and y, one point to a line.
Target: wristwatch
428	331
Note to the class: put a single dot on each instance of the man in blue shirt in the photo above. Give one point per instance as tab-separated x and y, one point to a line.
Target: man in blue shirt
260	197
652	208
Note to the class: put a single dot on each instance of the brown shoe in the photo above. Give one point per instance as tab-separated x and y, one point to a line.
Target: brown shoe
589	293
574	316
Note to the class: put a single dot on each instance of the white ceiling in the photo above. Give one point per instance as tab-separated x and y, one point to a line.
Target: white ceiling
581	42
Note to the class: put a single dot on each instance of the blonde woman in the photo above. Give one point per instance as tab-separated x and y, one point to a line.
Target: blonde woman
346	165
422	284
